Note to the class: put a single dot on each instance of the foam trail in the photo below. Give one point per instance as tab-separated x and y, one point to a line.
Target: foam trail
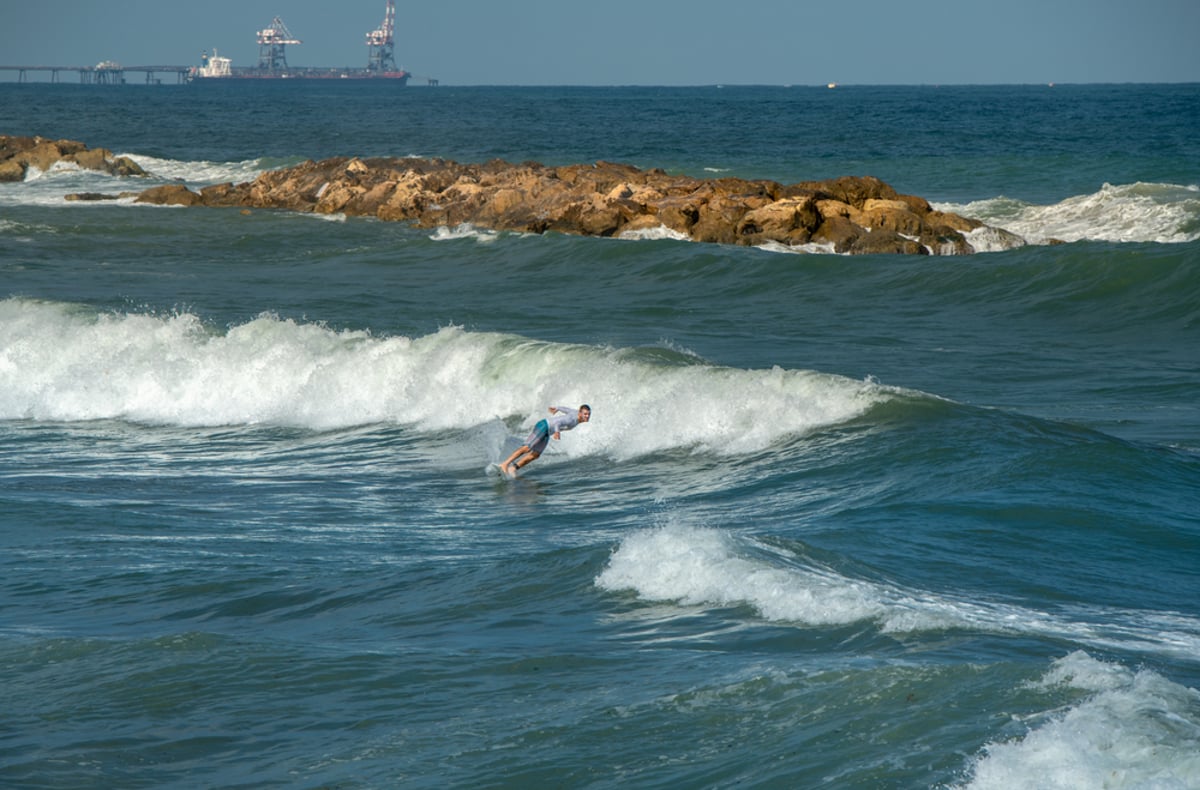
1134	729
705	566
60	362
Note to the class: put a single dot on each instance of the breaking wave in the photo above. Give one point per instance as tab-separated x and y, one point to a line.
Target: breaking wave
1132	728
64	362
703	566
1141	212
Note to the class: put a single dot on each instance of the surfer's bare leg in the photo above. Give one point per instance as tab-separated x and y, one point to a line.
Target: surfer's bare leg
528	458
520	451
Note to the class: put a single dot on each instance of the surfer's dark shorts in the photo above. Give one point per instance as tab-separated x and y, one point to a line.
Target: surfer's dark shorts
538	437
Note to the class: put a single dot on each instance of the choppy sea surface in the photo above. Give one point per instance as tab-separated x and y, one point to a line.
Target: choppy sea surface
837	522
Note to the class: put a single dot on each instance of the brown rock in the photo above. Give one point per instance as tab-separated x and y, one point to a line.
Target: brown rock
853	214
791	221
891	215
334	197
220	195
91	159
854	190
839	232
11	170
44	155
679	214
830	208
946	241
881	241
954	221
718	220
18	154
124	166
641	222
170	195
917	205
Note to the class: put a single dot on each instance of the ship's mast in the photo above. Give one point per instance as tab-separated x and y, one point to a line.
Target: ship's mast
381	43
271	42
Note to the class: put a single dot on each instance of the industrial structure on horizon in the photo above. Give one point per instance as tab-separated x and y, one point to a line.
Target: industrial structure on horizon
272	62
272	57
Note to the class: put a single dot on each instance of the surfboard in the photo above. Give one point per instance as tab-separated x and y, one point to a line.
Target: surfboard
494	470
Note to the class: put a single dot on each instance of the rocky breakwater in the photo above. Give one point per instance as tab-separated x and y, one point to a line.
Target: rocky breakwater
19	154
850	215
853	214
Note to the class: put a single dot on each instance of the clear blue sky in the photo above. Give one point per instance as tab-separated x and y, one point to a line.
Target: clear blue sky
644	42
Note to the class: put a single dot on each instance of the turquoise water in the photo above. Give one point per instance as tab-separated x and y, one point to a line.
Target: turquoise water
836	521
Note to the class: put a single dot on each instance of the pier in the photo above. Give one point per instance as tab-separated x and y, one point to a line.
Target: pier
103	73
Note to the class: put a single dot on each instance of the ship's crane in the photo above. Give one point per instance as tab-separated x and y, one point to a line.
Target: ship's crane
381	43
271	43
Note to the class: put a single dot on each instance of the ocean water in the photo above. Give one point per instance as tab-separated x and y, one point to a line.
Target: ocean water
837	522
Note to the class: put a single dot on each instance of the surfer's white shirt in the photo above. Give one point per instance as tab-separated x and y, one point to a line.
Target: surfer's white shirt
563	418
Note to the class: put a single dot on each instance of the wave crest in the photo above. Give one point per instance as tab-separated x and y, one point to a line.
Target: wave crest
62	362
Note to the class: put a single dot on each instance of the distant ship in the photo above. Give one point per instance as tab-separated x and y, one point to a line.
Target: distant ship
272	61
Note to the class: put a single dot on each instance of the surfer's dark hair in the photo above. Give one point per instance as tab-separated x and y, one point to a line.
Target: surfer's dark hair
585	406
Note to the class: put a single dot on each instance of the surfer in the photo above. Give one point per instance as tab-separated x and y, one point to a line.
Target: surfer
562	418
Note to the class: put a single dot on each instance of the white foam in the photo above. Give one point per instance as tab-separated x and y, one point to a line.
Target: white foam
50	188
705	566
989	239
701	565
464	231
59	362
33	173
812	248
698	566
654	234
1135	729
1126	729
1140	212
198	173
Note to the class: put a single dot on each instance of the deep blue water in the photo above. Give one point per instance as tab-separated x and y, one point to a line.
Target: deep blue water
836	522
